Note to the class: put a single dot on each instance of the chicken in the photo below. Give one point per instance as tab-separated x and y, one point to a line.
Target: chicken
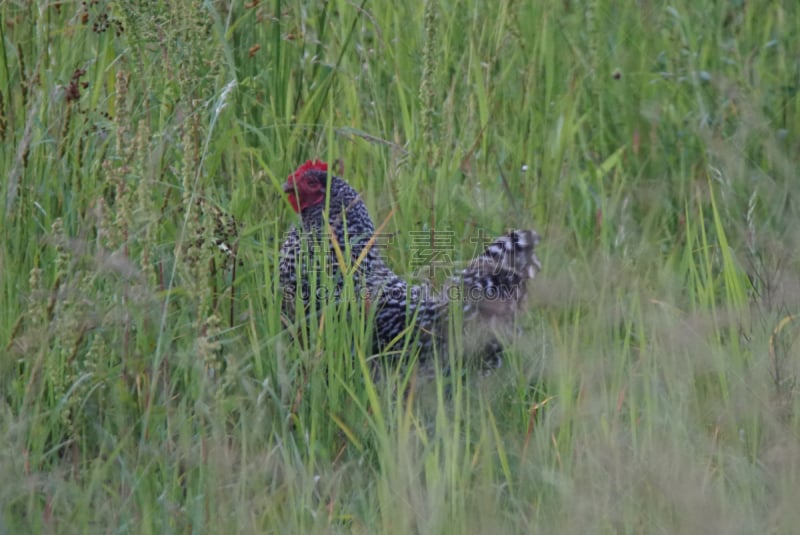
489	291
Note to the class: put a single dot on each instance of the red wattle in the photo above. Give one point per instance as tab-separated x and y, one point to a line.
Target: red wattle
293	201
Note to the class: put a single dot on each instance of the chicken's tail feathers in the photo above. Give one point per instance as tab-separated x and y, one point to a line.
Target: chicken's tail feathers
513	252
493	285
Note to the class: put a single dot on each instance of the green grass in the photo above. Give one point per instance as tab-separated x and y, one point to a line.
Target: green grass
148	386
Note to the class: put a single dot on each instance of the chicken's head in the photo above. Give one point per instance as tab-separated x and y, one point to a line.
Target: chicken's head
306	186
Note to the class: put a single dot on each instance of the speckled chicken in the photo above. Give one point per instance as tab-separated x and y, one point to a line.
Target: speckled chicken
489	291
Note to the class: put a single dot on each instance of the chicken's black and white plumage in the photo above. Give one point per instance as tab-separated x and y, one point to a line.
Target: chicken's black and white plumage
489	290
348	223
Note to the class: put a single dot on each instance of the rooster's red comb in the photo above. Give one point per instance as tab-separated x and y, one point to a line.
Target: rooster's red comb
310	165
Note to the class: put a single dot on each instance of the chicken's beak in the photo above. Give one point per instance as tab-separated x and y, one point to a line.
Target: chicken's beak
288	187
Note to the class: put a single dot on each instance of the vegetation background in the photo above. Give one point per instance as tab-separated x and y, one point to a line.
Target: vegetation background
146	381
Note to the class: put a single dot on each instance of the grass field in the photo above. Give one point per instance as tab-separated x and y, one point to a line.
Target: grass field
147	384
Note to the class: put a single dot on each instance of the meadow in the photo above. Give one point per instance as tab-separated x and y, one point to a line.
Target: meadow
149	385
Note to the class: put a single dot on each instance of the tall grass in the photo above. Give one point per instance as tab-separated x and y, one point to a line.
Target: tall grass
148	383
